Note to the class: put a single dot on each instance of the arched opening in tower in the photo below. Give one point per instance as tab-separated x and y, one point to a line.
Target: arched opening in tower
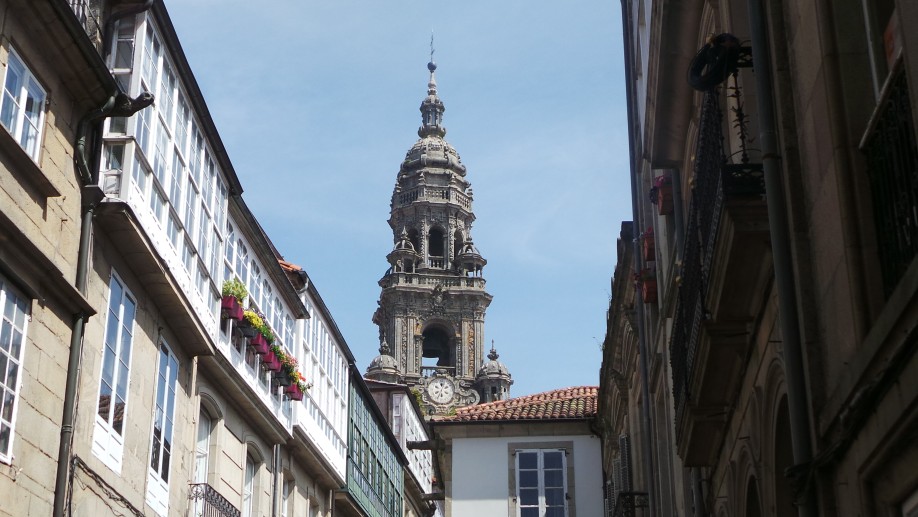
437	346
458	243
435	247
415	240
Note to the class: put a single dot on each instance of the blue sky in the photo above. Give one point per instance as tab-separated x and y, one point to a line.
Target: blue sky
317	103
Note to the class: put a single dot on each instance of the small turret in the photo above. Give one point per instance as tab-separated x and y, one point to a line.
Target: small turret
493	380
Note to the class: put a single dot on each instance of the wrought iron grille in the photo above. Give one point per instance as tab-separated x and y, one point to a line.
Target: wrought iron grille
630	504
207	502
892	163
715	182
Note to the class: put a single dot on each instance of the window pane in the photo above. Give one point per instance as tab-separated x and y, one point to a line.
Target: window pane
529	496
529	478
554	496
529	460
554	478
553	460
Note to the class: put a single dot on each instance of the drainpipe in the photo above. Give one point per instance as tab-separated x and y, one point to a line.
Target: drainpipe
277	479
646	421
79	319
780	244
118	104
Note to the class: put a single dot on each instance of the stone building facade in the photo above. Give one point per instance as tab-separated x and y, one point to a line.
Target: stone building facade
775	267
131	385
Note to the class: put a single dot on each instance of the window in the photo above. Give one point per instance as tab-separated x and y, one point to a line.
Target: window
202	447
541	483
163	423
14	310
248	487
108	436
22	106
287	504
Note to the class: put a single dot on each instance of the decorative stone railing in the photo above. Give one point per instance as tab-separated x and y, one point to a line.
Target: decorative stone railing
436	194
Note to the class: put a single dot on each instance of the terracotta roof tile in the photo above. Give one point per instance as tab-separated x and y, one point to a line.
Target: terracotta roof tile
574	403
288	266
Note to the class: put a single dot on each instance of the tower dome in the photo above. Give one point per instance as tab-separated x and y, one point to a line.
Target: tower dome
493	380
383	367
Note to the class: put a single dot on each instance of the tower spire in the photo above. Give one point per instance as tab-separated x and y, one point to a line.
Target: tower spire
432	107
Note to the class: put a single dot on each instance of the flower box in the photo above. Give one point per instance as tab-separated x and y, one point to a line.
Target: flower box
282	378
649	290
259	343
230	308
246	329
648	246
662	194
294	392
271	362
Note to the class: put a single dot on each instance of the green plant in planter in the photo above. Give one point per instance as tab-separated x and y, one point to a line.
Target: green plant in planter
236	289
267	333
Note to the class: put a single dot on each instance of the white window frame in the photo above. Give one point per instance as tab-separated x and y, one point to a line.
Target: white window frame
20	100
108	443
248	485
21	307
542	504
158	467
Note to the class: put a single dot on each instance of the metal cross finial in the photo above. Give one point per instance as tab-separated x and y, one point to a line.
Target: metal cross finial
431	45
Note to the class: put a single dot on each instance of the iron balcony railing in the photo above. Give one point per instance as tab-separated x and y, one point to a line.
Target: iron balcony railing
630	504
207	502
892	164
87	13
715	182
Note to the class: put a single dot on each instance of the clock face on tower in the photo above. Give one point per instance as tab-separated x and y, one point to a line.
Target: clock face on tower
440	390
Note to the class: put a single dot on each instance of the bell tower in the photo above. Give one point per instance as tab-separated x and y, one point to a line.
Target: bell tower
433	301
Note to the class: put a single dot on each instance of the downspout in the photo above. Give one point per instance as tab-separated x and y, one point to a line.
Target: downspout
780	243
646	422
118	104
276	479
79	319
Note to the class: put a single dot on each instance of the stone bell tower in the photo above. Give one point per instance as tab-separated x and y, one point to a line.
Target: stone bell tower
432	306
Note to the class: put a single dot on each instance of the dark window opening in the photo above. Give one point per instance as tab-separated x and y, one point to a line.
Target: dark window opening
437	346
435	243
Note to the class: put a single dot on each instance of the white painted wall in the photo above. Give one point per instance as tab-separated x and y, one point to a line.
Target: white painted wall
481	469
